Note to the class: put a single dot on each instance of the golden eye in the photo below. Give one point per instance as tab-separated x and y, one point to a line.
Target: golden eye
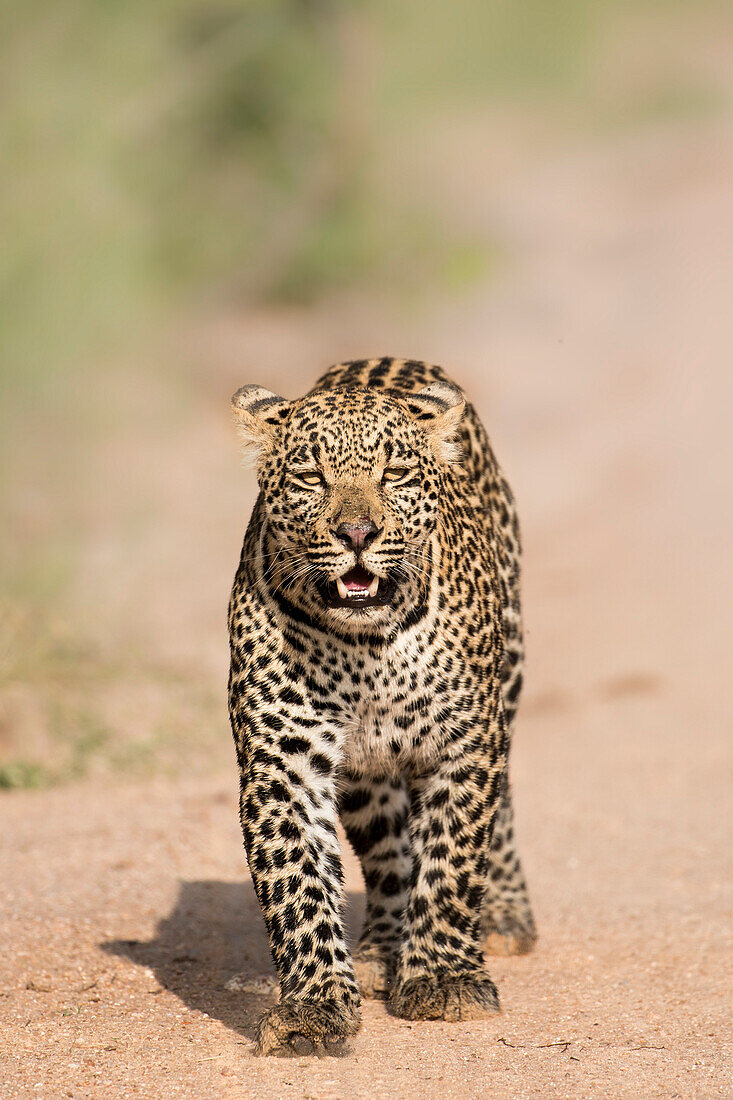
395	473
311	478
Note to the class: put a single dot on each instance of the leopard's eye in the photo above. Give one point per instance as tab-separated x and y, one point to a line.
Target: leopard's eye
396	473
311	478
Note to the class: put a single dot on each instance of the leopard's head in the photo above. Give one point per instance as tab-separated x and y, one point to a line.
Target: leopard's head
351	481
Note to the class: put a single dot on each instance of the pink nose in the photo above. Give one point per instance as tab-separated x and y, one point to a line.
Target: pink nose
356	535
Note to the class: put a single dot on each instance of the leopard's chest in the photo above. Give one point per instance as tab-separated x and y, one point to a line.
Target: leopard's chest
390	711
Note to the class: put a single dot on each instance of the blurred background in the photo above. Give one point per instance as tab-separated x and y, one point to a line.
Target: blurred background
200	195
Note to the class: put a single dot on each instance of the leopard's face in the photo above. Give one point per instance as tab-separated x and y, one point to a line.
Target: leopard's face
351	482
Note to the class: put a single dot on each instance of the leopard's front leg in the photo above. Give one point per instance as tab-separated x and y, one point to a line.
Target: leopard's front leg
441	974
288	814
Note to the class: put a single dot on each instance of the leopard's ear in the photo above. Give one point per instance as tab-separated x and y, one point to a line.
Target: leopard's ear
438	409
259	413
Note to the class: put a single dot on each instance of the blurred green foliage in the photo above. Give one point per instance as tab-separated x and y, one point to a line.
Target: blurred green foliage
154	149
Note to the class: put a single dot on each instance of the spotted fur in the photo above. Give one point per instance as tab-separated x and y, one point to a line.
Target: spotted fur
395	717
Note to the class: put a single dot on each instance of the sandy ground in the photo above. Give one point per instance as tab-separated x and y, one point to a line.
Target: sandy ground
601	362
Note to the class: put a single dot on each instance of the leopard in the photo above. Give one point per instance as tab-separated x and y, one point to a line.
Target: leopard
377	660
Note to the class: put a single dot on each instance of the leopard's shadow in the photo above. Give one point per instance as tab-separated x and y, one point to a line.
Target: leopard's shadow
215	930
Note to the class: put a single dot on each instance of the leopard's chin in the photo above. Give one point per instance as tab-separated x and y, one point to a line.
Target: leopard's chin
358	590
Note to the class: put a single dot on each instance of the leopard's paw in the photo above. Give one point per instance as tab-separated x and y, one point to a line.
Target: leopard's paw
374	972
293	1028
470	996
509	931
516	941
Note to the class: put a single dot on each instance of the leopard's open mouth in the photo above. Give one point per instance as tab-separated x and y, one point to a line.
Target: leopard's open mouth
357	589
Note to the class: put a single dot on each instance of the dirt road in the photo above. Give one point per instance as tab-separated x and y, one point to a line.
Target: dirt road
601	362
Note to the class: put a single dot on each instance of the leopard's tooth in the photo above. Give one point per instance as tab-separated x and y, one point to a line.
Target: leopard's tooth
343	590
373	587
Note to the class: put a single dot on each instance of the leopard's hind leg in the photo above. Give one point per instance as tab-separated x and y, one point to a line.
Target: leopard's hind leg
507	918
374	815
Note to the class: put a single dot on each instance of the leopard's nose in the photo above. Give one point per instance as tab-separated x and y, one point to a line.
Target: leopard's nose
357	536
